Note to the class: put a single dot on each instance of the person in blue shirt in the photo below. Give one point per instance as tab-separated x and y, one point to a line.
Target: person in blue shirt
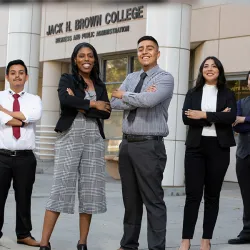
242	126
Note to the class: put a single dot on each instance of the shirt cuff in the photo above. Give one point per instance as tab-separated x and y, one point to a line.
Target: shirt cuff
247	119
125	96
5	118
26	116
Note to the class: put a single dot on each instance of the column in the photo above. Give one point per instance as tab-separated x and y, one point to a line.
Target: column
51	108
170	24
24	40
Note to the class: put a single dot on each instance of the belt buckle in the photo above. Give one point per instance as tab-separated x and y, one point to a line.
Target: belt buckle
13	153
129	138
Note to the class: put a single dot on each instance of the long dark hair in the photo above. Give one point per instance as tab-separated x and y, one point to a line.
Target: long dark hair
221	82
95	72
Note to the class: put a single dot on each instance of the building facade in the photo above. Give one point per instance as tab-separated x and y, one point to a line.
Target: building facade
44	35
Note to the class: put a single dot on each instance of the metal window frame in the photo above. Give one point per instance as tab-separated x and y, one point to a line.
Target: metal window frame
103	61
232	76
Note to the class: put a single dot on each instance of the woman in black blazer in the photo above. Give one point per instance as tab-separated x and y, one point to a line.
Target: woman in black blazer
79	148
209	110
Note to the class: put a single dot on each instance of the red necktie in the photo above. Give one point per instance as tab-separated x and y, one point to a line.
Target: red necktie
16	107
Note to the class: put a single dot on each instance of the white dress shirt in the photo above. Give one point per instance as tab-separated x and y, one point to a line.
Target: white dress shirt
31	107
208	104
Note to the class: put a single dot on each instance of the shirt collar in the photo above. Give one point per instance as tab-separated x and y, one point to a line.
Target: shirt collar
10	91
151	71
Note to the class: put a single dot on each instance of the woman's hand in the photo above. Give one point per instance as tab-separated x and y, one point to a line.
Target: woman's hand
82	111
101	105
70	92
195	114
227	109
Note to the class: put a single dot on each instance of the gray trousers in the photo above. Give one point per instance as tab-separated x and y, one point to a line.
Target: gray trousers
141	166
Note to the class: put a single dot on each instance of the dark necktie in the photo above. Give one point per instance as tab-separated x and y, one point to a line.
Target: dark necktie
16	107
132	113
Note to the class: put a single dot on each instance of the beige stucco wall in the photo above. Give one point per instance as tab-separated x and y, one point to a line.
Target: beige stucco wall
58	13
4	14
223	31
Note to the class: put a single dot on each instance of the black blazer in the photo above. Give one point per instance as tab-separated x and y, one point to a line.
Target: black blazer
222	120
71	104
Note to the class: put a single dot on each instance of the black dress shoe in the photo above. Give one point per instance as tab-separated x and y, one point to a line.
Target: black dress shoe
45	247
81	246
239	240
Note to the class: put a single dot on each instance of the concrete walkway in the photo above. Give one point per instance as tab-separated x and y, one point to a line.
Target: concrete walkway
106	229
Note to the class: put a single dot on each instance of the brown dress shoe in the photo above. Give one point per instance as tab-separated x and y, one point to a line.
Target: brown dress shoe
29	241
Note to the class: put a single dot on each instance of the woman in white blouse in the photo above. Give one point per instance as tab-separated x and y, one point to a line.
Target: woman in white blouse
209	110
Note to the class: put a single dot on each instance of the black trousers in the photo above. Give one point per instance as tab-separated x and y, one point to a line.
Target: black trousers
22	170
141	166
205	169
243	175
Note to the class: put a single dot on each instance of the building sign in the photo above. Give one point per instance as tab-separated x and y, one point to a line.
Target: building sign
95	21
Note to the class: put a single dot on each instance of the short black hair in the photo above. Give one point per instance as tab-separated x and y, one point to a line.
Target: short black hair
16	62
150	38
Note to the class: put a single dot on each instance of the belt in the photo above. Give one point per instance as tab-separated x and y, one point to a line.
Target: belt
137	138
15	152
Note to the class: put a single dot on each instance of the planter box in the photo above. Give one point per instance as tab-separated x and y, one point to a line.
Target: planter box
112	166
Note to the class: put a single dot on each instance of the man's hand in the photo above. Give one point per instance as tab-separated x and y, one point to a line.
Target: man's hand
15	114
239	119
14	123
151	88
118	93
195	114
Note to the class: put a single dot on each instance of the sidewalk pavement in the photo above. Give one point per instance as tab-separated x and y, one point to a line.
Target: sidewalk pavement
106	229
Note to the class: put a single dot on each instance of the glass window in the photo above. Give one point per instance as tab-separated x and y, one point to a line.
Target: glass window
113	132
135	65
115	70
239	87
111	88
235	86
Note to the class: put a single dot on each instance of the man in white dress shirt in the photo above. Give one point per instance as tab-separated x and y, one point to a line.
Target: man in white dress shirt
19	111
